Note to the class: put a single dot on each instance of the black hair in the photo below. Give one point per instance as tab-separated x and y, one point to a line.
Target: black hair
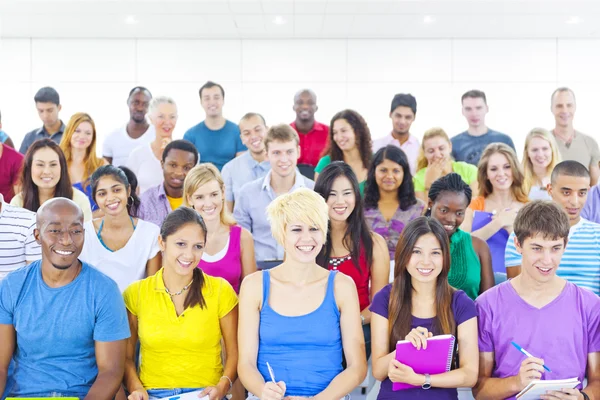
119	174
569	168
474	94
47	95
357	231
210	84
184	145
140	88
174	221
404	100
450	183
406	191
252	115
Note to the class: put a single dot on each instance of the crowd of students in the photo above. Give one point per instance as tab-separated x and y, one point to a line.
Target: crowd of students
277	262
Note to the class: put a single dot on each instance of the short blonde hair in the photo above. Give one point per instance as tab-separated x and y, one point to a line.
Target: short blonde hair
281	133
201	175
302	205
529	176
430	133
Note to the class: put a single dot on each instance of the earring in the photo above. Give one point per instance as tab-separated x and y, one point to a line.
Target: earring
130	198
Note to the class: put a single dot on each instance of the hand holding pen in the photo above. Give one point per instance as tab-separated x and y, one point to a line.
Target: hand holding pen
273	390
531	369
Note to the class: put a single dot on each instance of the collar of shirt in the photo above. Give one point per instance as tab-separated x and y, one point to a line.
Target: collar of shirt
252	163
43	131
298	181
161	192
577	226
411	141
317	127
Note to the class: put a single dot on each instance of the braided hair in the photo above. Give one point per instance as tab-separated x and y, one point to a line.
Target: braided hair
452	182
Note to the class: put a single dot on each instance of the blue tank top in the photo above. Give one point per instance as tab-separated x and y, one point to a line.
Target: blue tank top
304	351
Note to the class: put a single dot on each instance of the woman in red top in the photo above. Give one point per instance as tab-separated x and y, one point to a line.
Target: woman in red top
351	247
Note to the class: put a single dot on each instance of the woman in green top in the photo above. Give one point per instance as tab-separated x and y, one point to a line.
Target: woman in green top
471	261
349	141
435	161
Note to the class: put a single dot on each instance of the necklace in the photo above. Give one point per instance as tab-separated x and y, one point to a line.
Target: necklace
186	287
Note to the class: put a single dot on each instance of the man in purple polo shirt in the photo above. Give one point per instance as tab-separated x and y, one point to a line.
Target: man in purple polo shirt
554	320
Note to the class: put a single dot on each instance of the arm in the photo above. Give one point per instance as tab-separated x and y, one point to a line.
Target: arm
352	340
487	231
228	180
230	205
316	176
110	358
9	142
594	173
131	380
474	186
229	325
485	259
380	270
241	214
489	388
512	258
593	376
247	256
153	264
8	340
380	355
513	272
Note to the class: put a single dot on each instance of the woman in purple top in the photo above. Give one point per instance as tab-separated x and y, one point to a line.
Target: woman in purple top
390	201
418	305
229	251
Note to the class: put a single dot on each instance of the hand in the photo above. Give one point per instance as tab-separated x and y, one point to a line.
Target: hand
212	392
507	217
567	394
531	369
418	337
398	372
139	394
164	143
294	398
273	391
434	171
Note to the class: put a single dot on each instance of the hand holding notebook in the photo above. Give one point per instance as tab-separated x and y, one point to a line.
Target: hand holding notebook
536	388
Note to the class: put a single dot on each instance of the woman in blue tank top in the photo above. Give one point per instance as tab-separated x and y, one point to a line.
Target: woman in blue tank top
299	317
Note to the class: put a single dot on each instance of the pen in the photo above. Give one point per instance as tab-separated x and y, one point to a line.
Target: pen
271	372
522	350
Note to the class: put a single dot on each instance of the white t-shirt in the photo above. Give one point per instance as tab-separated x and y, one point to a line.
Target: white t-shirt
78	197
146	167
125	265
119	144
17	244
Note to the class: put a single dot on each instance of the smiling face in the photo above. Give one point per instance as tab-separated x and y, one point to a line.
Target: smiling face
283	157
449	209
208	201
183	249
436	148
176	166
212	101
164	119
138	105
541	257
45	168
341	199
253	132
111	196
427	259
305	106
389	176
570	192
539	152
83	136
343	135
402	119
499	172
303	242
563	108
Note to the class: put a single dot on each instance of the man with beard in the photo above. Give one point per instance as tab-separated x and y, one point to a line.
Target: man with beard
62	321
138	131
178	158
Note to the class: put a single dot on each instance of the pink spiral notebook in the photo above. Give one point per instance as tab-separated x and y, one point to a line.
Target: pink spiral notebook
436	359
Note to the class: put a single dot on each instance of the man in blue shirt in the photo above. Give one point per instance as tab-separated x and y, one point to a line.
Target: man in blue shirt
283	150
217	139
252	164
47	103
469	145
63	321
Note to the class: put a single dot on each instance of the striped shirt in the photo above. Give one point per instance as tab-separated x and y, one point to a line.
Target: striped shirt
17	244
580	262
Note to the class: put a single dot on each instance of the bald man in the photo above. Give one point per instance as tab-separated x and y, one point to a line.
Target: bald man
63	321
313	135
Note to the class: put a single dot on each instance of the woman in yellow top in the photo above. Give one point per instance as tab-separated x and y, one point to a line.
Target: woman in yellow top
180	315
435	161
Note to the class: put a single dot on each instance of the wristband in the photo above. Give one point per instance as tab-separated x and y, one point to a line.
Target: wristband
230	383
585	396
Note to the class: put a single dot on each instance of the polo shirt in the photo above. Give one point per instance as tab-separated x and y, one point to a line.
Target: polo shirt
411	148
582	148
217	147
312	143
580	263
17	243
11	162
241	170
179	351
41	133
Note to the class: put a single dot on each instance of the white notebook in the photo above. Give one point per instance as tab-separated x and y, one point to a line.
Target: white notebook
187	396
536	388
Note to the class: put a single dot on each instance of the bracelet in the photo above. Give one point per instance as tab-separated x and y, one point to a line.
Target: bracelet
585	396
230	383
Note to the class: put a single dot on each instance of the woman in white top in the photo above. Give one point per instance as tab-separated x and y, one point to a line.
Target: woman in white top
540	156
120	246
144	161
45	175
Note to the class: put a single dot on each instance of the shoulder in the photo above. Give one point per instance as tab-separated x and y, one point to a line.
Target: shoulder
477	203
588	300
29	135
250	188
196	128
459	138
232	127
309	183
17	278
245	234
383	296
323	162
79	196
461	166
251	286
19	216
150	194
100	280
217	283
115	134
478	243
379	242
420	175
489	298
17	201
148	228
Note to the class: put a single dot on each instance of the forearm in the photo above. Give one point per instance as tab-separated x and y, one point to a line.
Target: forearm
230	371
106	385
344	383
593	390
496	388
488	231
3	378
366	314
132	381
251	379
380	366
461	377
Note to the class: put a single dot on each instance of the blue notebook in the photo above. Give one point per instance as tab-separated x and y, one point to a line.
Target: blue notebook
436	359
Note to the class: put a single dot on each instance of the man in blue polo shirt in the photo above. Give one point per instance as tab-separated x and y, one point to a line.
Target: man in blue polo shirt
217	139
47	103
580	264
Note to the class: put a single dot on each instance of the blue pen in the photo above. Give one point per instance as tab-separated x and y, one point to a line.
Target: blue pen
522	350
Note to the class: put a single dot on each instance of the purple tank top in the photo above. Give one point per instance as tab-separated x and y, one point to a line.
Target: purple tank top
230	266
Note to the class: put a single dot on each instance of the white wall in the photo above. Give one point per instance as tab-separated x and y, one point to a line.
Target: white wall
95	76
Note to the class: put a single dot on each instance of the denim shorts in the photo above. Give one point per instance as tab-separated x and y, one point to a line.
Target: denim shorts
160	393
79	396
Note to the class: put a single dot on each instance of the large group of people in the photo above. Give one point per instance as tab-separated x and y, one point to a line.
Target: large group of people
279	262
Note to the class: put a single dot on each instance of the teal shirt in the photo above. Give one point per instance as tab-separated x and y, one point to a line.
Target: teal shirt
465	267
325	161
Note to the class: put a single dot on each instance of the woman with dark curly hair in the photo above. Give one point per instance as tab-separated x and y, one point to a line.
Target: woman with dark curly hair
349	141
390	201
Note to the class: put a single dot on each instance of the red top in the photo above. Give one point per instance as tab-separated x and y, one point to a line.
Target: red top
312	143
361	278
11	162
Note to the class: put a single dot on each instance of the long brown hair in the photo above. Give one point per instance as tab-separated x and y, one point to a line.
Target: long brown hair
362	135
400	307
485	186
92	161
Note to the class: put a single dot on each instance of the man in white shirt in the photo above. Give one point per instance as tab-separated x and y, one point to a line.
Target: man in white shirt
136	132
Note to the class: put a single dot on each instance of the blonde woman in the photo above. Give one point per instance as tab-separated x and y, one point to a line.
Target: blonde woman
540	156
229	251
78	144
491	215
435	161
144	160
